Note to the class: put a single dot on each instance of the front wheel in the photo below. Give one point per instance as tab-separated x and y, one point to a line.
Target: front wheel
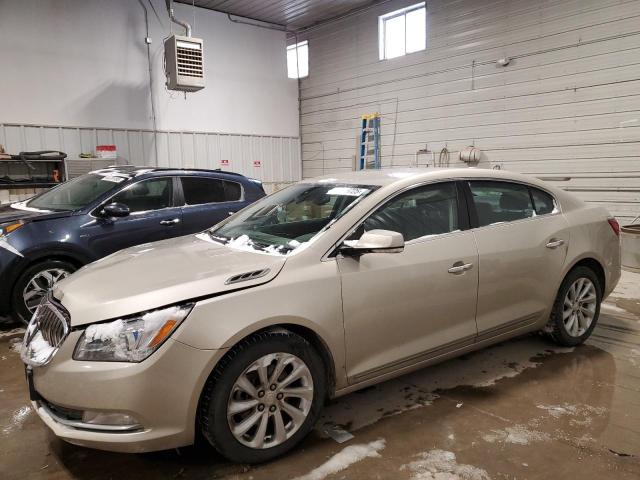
34	283
263	398
576	308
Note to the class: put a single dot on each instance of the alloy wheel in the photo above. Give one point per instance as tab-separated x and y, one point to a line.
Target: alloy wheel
39	285
579	307
270	400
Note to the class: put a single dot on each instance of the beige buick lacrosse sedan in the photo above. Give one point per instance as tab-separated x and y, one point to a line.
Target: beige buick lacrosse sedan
242	332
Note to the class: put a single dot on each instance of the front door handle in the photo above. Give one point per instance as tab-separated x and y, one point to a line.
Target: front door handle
170	222
555	243
460	267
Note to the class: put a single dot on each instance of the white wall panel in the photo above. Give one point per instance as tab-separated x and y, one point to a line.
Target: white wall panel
568	104
279	156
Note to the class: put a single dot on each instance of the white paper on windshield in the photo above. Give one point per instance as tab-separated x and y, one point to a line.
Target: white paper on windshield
111	178
23	206
348	191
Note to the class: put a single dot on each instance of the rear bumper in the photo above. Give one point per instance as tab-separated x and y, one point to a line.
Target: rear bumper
161	394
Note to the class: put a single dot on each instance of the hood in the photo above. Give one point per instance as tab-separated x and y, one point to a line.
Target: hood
19	211
156	274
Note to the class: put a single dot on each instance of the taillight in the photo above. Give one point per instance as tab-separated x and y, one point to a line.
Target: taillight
614	225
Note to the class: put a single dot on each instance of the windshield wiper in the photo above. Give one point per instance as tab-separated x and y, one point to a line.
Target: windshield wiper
220	238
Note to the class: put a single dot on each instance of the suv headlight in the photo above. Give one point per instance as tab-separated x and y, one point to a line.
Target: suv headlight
132	339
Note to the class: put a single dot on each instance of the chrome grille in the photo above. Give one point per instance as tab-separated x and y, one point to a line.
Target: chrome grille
52	323
50	326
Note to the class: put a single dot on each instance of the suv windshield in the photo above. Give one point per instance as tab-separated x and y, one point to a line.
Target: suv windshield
282	222
76	193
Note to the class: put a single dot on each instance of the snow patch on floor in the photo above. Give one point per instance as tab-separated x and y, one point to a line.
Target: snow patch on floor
611	308
518	434
634	357
15	345
12	332
442	465
418	389
18	418
582	414
344	459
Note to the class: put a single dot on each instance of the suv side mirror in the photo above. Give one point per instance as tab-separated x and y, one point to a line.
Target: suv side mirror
115	210
375	241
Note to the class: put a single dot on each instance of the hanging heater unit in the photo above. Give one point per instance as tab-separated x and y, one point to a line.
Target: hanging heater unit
184	63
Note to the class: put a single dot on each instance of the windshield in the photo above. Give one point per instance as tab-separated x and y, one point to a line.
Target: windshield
76	193
284	221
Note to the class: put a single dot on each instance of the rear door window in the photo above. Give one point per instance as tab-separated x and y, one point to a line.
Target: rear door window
499	202
201	190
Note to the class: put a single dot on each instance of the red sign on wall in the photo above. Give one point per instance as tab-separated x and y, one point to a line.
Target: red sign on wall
257	163
224	163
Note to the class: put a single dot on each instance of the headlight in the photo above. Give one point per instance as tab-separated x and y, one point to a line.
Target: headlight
131	339
10	227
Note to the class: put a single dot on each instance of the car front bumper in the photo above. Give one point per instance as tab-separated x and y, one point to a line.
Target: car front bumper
161	393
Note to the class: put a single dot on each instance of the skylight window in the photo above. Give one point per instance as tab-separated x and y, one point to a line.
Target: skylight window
298	60
403	31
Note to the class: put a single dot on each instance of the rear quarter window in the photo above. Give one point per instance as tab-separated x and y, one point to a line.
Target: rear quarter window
543	202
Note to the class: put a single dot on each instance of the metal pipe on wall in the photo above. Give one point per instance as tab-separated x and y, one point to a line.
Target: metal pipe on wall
182	23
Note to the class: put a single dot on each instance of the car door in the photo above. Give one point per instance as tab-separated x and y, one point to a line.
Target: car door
522	248
402	308
152	216
208	200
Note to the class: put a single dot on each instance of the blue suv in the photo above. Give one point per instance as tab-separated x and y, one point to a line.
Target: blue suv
56	232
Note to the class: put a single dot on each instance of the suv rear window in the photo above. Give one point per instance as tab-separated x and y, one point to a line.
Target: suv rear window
199	190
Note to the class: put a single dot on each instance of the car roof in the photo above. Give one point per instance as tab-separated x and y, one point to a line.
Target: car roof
384	177
132	171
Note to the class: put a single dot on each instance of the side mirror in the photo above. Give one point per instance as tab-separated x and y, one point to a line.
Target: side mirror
375	241
115	210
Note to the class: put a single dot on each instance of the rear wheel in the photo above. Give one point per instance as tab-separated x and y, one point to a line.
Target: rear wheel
263	398
576	308
34	283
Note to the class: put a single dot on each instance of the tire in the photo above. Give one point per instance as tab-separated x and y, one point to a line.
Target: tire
222	390
44	274
579	293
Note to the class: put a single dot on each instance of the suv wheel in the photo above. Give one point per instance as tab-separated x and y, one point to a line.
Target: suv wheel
576	308
34	283
263	397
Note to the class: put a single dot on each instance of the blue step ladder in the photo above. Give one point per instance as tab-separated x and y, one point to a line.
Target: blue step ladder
370	142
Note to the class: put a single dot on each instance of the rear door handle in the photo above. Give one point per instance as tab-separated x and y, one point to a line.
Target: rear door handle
460	267
555	243
170	222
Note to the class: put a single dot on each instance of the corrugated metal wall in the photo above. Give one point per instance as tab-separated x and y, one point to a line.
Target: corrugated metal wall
279	156
567	105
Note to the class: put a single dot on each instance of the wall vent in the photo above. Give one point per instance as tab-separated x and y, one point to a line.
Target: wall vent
184	65
244	277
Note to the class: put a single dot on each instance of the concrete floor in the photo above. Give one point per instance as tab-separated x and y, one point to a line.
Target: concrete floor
523	409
